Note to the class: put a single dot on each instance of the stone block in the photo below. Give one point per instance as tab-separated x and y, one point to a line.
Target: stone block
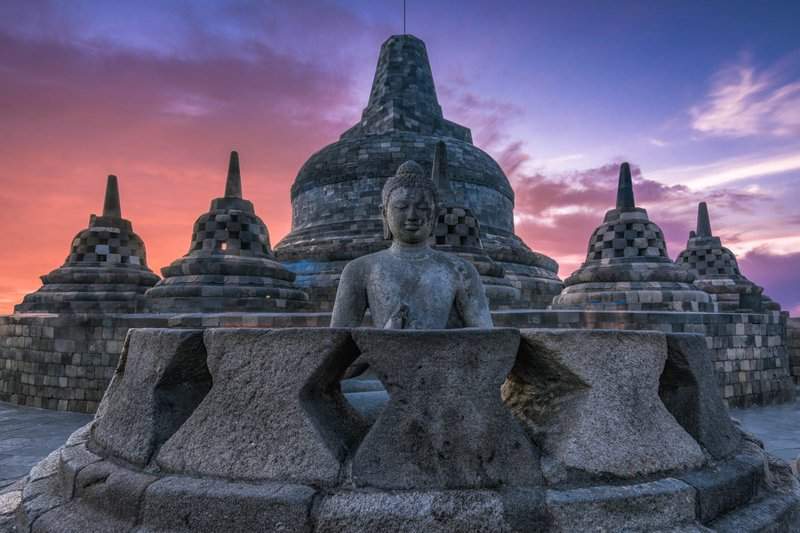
452	511
590	399
688	388
160	380
724	486
179	504
655	506
445	425
275	412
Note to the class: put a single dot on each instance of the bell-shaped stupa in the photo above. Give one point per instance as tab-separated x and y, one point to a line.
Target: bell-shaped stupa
230	266
458	231
627	266
105	271
336	196
717	271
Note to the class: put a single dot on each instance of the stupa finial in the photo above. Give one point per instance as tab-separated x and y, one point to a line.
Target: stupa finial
439	173
233	185
703	222
625	201
111	206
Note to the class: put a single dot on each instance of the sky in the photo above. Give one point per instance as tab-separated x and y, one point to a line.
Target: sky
702	98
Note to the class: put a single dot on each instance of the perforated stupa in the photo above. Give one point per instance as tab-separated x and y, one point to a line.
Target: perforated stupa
627	266
230	265
105	272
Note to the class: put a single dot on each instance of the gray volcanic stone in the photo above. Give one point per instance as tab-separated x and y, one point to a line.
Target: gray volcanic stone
605	418
336	195
724	486
106	270
444	425
452	511
160	380
275	412
627	267
688	388
179	504
717	271
230	265
661	505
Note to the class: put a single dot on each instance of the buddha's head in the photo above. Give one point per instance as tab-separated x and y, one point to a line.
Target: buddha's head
410	204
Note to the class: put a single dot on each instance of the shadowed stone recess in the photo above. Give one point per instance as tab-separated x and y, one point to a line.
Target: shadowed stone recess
688	388
444	426
717	272
605	418
275	412
161	378
336	195
627	267
230	265
105	271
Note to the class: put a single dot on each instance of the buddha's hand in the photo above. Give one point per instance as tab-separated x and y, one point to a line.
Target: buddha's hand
398	318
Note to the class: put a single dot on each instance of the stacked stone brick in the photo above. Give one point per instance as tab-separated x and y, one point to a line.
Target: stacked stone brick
717	271
627	266
793	347
105	271
230	265
336	196
458	231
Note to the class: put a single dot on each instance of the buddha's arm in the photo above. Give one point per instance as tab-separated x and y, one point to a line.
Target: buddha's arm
471	299
351	298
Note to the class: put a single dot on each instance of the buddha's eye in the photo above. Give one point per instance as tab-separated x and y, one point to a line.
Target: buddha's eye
401	205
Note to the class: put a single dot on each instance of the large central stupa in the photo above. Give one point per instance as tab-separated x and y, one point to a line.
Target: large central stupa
337	194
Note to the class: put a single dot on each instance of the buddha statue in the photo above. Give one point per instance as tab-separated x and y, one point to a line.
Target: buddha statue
410	285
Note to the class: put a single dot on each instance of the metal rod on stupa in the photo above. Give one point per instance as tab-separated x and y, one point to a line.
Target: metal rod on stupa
439	170
703	222
233	185
111	206
625	199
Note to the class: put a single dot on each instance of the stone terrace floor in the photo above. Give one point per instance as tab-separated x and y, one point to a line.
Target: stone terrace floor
28	434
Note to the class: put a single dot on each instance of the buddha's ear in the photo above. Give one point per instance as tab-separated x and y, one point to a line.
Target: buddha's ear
387	233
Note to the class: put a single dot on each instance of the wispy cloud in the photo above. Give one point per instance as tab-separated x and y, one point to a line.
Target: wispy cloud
657	142
725	171
744	101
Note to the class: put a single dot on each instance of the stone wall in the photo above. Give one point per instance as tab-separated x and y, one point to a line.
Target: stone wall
65	362
793	346
749	351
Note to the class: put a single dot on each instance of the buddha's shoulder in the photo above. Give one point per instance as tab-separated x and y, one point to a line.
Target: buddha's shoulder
368	261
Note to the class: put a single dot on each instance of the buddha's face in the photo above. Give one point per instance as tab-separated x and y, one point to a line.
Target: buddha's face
410	214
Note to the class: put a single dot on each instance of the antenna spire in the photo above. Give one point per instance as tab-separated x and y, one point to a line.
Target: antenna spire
703	222
111	206
404	17
233	185
625	201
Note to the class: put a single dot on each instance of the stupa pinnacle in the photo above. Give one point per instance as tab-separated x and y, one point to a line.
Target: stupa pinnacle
336	196
105	271
717	271
627	266
230	265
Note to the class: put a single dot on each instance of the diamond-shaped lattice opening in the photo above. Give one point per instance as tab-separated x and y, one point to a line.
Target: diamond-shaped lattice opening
364	391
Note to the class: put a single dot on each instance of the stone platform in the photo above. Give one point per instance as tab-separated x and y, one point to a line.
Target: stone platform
204	448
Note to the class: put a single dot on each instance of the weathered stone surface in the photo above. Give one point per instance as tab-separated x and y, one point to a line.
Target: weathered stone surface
105	271
605	418
275	411
445	425
336	196
654	506
776	514
724	486
160	380
230	265
688	388
627	266
71	461
410	285
179	504
452	511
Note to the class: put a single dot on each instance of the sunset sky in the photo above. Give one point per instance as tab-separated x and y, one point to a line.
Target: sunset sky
703	98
